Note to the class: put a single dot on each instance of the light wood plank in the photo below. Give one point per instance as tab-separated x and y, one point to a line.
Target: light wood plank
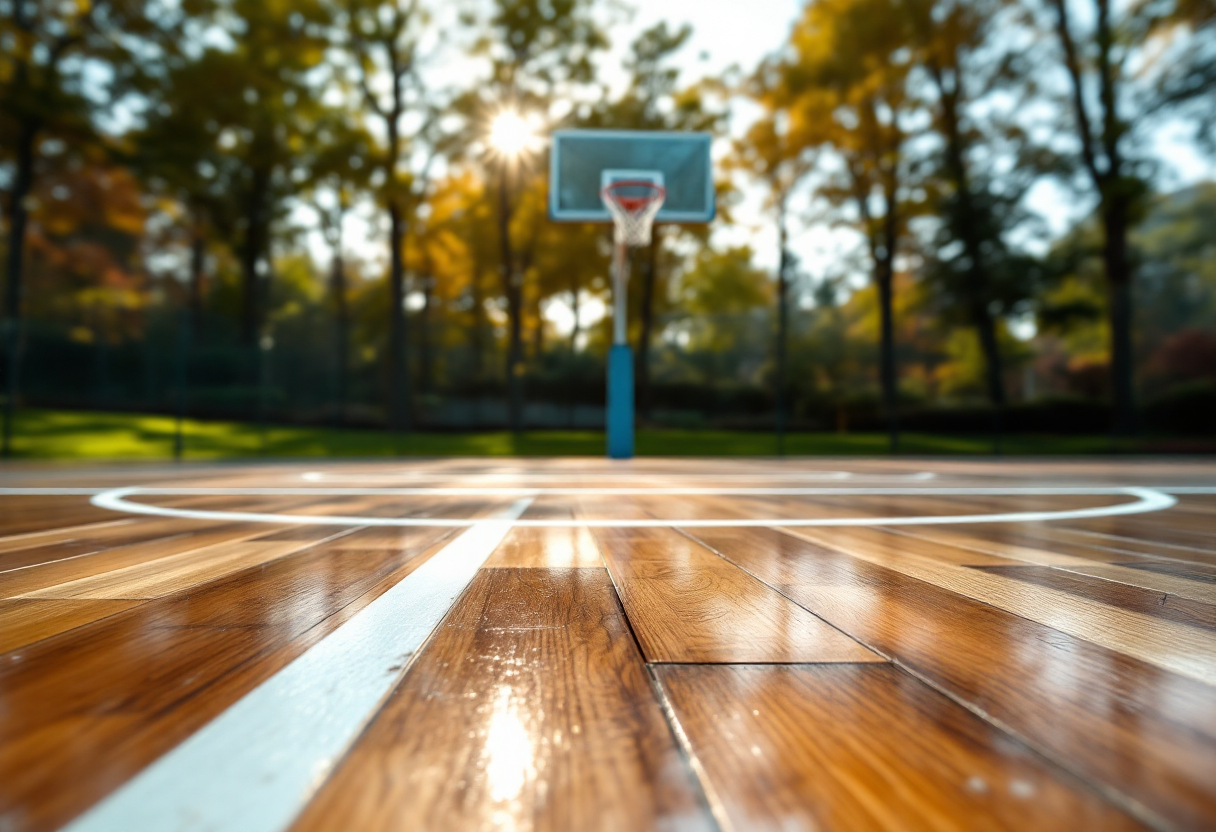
1129	726
547	548
538	715
174	573
41	576
686	604
1174	647
1114	594
86	710
23	622
865	747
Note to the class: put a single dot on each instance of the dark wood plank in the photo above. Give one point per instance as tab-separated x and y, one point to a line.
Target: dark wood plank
1136	729
529	709
143	680
686	604
865	747
22	514
1123	596
1197	572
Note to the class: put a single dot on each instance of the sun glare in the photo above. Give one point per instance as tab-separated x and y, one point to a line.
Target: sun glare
511	134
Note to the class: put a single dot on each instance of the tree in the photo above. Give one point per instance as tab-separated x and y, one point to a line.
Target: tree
974	268
42	97
846	81
539	51
780	160
1097	70
385	42
1185	80
337	173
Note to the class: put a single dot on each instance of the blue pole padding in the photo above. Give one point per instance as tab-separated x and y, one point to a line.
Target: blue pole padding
620	402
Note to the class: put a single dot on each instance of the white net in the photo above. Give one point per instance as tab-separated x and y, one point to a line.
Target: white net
634	205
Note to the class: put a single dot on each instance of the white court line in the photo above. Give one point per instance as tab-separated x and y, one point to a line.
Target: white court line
319	476
255	766
1148	499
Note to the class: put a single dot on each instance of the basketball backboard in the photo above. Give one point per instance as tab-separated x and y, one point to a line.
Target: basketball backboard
584	161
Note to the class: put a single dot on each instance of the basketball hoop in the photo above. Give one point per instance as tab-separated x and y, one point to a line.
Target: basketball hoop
634	203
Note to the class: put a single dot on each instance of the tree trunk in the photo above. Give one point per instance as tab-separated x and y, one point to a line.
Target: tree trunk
1116	206
649	280
477	337
398	370
1119	286
885	278
985	326
512	289
782	326
426	359
198	260
538	333
337	287
253	249
978	284
18	216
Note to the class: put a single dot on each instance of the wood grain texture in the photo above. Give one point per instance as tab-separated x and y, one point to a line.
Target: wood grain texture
1129	726
1114	594
686	604
844	747
547	548
87	709
23	622
109	559
21	541
1173	647
167	575
538	713
24	514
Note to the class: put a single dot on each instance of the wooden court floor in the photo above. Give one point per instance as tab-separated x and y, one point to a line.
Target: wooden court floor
585	645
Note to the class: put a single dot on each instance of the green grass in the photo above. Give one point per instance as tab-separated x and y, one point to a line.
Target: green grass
58	434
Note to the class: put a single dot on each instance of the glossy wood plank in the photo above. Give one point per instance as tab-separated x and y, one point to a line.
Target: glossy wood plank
143	680
1194	572
1019	542
841	747
63	532
1132	728
1174	647
1150	577
1147	571
1191	537
1147	543
688	605
167	575
24	514
1114	594
40	576
23	622
547	548
538	715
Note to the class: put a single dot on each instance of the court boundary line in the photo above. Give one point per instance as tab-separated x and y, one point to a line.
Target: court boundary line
1148	500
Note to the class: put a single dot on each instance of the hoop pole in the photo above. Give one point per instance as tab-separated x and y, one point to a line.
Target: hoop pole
620	288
